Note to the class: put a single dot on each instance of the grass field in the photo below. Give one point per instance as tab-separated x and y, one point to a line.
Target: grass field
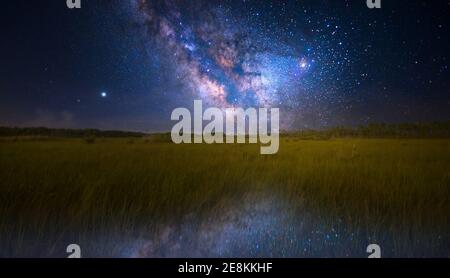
131	197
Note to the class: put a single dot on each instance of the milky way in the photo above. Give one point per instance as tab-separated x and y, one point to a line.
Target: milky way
323	63
230	60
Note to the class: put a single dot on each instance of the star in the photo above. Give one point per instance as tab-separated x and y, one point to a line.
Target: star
303	63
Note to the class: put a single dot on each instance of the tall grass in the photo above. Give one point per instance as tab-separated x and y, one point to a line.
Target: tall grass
53	191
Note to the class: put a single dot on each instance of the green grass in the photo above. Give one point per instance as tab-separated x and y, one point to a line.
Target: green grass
54	189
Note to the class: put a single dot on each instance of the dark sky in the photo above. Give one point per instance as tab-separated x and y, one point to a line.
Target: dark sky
127	64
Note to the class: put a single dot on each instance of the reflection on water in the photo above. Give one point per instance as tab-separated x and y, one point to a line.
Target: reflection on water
258	225
264	227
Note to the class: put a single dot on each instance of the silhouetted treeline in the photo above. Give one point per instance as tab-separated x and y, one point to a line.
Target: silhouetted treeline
51	132
405	130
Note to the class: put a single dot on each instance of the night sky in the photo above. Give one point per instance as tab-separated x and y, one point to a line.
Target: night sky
126	64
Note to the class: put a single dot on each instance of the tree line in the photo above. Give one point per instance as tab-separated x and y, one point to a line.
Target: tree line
375	130
56	132
403	130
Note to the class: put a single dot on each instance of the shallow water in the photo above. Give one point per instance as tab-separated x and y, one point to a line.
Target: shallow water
264	227
257	226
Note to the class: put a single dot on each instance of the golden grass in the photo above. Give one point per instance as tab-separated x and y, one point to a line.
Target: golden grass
56	187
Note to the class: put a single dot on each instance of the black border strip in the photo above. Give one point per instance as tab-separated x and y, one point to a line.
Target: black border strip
149	267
